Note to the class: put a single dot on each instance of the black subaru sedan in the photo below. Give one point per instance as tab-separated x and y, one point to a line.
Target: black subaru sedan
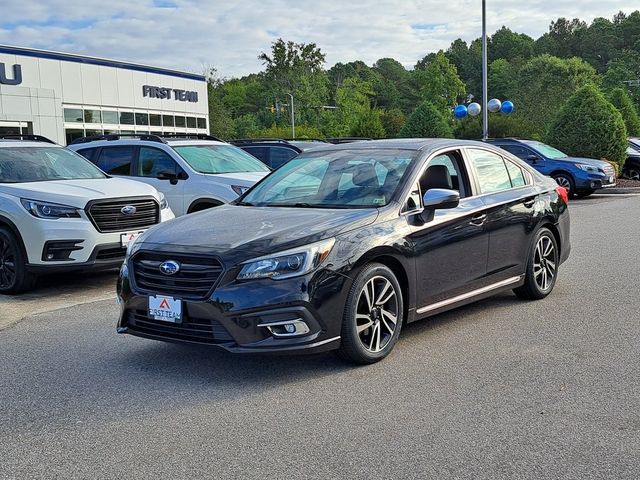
343	245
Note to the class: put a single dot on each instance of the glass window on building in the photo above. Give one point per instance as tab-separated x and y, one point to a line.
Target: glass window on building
142	118
167	121
126	118
191	122
180	122
202	123
73	115
73	133
92	116
155	120
110	117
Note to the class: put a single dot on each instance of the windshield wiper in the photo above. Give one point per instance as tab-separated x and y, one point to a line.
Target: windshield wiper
244	204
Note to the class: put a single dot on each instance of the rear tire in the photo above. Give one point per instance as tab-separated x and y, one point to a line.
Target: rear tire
14	277
373	316
542	267
565	180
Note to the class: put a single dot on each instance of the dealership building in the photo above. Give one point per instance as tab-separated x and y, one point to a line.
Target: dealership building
65	96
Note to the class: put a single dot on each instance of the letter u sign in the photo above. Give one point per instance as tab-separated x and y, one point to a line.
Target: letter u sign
17	75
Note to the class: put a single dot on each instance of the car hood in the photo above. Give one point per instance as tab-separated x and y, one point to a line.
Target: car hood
587	161
238	233
77	193
243	179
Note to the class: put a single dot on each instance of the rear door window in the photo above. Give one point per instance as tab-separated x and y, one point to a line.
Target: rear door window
491	171
279	156
152	161
116	160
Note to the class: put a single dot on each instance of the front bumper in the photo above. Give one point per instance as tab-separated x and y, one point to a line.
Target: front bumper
591	181
236	316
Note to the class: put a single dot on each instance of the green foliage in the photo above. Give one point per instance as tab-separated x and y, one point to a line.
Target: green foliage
281	131
500	126
392	121
588	125
221	124
508	45
246	126
543	85
502	78
621	100
439	82
368	125
427	121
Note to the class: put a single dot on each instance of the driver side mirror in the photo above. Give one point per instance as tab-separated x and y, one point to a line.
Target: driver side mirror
167	175
438	199
533	158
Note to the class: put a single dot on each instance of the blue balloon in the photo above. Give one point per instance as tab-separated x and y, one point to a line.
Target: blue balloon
507	107
460	111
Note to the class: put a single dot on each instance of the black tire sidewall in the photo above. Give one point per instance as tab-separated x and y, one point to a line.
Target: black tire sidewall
350	339
544	231
21	276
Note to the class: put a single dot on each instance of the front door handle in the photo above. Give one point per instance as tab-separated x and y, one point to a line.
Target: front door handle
478	219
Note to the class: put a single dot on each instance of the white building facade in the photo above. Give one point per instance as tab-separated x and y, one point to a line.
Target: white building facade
64	96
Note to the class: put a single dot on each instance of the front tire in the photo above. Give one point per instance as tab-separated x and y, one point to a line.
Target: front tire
565	180
373	315
14	277
542	267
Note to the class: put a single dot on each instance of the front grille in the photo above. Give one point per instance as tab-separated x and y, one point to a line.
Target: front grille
107	215
111	253
195	279
190	330
609	170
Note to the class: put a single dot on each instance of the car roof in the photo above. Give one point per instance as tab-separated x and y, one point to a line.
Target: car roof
138	141
416	144
26	143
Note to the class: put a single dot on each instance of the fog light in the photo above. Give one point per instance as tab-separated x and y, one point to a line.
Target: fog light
286	328
290	328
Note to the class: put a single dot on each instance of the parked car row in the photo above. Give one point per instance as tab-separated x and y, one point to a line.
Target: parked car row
631	168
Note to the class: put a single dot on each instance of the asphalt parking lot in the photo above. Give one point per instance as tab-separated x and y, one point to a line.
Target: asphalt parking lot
499	389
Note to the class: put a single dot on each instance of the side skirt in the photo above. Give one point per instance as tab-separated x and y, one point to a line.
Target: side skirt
469	297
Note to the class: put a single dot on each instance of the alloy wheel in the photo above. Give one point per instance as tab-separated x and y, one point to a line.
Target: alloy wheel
7	264
377	314
545	263
564	182
632	174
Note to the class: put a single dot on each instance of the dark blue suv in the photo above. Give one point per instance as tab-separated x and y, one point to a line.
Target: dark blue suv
580	176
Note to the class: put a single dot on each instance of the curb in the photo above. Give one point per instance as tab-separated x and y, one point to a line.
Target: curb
619	191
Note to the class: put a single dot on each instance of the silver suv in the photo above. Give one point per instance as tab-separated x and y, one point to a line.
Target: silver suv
194	172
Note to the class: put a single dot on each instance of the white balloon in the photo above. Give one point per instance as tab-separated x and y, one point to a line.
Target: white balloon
494	105
474	109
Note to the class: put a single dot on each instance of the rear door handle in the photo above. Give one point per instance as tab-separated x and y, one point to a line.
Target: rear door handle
478	219
529	202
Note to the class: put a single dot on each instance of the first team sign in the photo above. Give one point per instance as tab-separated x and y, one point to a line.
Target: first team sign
164	93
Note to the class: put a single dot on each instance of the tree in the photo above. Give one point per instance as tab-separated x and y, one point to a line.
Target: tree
297	69
500	126
392	121
220	122
543	85
508	45
621	100
439	82
588	125
368	125
502	78
427	121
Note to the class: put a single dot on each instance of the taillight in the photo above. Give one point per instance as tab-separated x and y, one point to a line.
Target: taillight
563	194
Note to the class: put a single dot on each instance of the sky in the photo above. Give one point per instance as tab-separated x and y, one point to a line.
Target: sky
194	35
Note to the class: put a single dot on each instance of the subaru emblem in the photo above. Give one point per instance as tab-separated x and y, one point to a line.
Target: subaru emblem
128	210
170	267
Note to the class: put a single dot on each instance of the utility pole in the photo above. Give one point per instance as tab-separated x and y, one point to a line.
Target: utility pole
293	119
485	89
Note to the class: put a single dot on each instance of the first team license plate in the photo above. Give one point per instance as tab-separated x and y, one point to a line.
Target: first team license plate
166	309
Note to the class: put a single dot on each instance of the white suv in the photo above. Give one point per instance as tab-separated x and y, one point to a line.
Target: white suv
194	172
60	212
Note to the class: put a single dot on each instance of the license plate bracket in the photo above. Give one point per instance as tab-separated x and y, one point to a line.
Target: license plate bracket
165	308
127	237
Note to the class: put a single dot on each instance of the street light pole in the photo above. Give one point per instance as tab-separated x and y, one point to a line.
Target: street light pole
485	89
293	119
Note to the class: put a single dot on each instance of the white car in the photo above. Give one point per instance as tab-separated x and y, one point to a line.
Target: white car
195	172
60	212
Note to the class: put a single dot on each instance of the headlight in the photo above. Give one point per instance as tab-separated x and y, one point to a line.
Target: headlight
163	202
239	189
287	264
586	168
49	210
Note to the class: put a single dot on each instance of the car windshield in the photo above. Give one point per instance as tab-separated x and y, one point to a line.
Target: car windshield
547	150
220	159
333	179
634	143
39	164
